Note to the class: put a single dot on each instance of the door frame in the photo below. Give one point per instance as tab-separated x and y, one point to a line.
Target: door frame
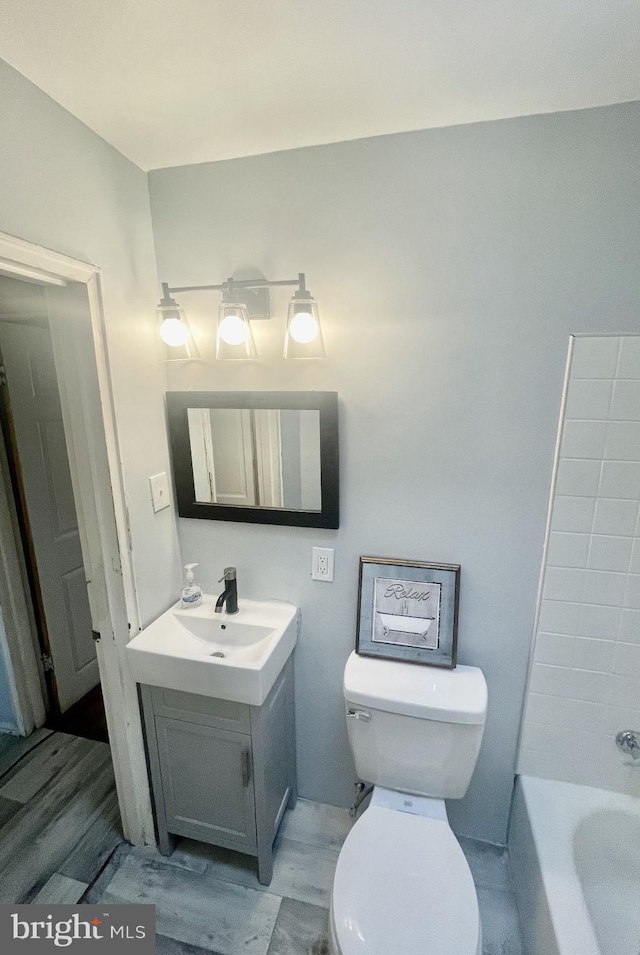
90	430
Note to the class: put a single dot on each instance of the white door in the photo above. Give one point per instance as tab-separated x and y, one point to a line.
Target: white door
201	441
268	455
236	456
233	457
44	465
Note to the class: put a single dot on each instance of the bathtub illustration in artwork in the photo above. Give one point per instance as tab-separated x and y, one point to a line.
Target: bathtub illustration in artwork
404	629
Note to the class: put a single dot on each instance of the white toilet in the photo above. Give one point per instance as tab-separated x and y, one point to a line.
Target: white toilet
402	884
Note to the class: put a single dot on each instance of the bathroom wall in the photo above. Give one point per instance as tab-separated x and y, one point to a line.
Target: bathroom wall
63	187
450	267
585	677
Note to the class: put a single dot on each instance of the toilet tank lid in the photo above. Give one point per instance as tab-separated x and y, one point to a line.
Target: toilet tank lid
429	693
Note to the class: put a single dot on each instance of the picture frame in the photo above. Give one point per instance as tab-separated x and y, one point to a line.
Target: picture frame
408	611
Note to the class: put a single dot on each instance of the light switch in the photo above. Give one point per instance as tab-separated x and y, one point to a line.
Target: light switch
160	491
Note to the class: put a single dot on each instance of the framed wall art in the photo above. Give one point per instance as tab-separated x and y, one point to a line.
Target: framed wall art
408	611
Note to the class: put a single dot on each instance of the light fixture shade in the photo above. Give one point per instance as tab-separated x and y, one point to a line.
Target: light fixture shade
234	340
176	341
304	332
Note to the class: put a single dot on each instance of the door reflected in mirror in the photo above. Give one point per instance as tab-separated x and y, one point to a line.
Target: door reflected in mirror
256	457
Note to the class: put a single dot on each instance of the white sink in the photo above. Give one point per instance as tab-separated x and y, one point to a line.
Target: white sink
234	657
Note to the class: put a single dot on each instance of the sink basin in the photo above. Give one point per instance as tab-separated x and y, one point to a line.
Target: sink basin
199	651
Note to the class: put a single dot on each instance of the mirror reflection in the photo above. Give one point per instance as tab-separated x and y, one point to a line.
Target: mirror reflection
256	457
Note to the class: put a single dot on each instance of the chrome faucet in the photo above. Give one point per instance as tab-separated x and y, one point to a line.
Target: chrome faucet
629	742
230	593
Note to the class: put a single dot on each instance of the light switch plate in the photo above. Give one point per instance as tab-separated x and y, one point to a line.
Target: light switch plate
322	564
160	491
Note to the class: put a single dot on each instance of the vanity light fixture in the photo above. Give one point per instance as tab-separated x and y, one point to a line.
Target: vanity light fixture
304	332
234	338
243	301
174	329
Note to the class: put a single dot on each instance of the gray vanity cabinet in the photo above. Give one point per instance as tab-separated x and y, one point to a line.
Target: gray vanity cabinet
221	772
206	781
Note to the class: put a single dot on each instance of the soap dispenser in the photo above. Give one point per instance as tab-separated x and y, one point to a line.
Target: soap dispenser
191	594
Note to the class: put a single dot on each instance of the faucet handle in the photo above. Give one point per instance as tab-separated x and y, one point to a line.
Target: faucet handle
229	574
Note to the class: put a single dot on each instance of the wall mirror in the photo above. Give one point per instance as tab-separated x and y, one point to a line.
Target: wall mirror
267	457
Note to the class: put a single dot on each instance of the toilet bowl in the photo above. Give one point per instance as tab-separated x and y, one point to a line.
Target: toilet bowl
402	884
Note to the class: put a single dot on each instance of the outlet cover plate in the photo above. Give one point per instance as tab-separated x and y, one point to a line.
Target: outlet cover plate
322	564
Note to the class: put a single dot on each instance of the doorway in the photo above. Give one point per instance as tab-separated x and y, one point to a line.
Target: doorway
78	334
46	519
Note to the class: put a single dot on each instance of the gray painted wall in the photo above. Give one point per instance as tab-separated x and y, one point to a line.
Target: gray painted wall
63	187
450	267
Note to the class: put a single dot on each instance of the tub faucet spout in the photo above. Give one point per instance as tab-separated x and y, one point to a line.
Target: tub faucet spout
629	742
229	595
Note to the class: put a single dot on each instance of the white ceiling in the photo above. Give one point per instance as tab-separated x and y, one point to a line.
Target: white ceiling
170	82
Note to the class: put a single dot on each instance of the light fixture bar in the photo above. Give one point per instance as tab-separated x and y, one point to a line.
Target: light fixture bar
234	283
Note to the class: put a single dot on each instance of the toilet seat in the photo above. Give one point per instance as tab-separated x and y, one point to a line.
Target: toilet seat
403	887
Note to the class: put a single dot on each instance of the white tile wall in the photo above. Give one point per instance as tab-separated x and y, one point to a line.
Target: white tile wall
579	478
568	550
584	439
556	649
595	358
564	583
625	404
573	513
603	587
634	566
622	440
630	626
588	399
629	357
559	616
632	592
613	517
585	677
619	479
609	553
602	623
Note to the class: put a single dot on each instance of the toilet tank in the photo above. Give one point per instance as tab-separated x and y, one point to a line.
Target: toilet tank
416	729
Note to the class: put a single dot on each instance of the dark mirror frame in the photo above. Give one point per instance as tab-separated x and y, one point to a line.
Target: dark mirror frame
326	402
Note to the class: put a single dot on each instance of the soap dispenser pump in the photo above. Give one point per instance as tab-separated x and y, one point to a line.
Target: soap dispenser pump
191	594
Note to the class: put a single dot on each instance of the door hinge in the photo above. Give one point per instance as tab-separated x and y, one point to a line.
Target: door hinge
96	635
47	663
3	375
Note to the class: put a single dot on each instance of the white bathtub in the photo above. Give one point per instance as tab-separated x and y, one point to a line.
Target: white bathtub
575	861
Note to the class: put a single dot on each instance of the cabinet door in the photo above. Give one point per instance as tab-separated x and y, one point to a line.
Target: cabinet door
207	782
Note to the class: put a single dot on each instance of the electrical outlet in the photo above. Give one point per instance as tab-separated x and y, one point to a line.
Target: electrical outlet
159	491
322	564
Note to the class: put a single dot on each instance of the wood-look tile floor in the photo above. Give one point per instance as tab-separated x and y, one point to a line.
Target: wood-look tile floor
59	818
60	841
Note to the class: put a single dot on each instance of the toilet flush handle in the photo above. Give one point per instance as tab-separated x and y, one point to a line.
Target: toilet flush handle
360	715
